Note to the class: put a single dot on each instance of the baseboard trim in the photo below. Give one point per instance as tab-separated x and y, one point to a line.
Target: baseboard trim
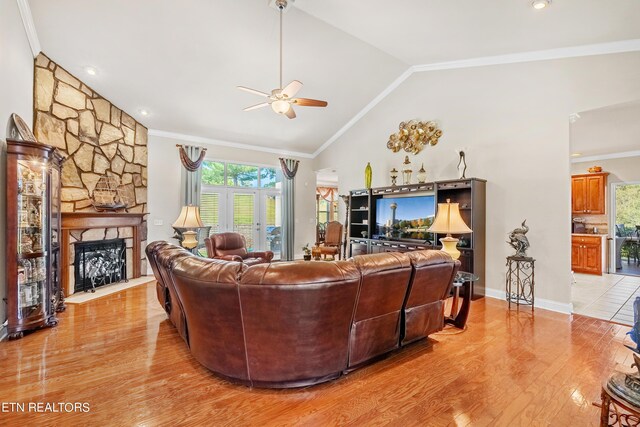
546	304
3	333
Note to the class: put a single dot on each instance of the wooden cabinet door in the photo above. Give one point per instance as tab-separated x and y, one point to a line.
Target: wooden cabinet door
576	255
592	258
578	194
595	194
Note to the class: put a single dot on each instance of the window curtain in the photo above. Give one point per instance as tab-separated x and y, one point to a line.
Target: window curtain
328	194
289	170
191	158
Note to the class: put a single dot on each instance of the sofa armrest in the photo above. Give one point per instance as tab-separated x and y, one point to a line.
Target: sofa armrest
236	258
268	255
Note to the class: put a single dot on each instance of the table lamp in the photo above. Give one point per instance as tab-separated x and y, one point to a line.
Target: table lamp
189	218
448	220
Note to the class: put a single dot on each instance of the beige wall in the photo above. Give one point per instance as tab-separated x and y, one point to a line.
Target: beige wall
164	186
16	95
626	169
513	121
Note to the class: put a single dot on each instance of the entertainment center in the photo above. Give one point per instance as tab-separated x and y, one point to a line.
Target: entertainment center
395	219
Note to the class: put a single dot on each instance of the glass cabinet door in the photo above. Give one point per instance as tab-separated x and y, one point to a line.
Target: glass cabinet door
32	238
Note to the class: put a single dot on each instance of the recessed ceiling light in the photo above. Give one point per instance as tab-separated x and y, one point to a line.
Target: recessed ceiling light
576	154
540	4
92	71
144	112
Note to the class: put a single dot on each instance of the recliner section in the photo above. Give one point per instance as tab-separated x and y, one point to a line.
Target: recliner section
293	324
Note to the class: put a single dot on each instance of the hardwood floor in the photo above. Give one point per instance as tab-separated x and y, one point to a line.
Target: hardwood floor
121	355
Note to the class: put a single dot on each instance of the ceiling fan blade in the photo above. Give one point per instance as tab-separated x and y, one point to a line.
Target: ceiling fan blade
290	113
306	102
292	88
255	92
255	107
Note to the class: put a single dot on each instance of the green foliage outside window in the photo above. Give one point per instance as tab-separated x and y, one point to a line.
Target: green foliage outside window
628	205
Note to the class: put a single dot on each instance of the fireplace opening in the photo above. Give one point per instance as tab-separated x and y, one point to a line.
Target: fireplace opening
99	263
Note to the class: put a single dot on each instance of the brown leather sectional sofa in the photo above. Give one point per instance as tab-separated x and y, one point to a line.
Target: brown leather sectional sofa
293	324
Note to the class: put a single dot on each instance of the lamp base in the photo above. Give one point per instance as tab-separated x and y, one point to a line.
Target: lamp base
189	239
450	246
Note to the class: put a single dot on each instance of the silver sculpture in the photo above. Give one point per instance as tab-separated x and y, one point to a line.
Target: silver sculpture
518	240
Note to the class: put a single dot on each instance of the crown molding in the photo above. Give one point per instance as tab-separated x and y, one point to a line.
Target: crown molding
620	155
221	143
623	46
29	26
538	55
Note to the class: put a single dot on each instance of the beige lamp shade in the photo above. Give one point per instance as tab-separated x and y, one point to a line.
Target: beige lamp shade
448	220
189	218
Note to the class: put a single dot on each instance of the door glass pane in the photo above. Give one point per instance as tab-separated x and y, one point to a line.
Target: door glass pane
242	175
268	177
212	173
32	243
273	224
210	211
243	217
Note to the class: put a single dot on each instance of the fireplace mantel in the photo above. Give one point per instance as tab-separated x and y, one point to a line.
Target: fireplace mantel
90	220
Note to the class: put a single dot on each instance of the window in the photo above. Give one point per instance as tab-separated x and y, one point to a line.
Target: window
212	173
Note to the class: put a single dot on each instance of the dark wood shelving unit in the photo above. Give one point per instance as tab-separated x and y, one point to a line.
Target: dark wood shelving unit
469	193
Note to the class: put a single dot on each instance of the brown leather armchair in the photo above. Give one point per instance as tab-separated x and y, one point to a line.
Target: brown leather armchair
233	247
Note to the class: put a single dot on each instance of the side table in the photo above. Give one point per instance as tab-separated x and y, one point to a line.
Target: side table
520	282
464	280
610	410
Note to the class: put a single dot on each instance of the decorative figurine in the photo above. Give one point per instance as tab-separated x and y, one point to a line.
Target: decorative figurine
394	176
422	175
462	165
367	176
518	240
406	171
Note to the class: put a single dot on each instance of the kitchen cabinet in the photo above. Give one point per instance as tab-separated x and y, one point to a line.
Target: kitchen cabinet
588	193
586	254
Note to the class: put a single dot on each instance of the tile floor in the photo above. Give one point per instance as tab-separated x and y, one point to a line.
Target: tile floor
608	297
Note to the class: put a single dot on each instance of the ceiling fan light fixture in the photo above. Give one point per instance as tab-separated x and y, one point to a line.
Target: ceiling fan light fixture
280	106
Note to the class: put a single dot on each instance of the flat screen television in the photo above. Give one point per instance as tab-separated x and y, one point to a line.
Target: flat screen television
405	218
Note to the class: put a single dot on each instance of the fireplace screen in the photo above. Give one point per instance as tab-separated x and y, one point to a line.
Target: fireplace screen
99	263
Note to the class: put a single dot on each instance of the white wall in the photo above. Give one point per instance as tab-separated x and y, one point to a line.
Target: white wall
164	186
16	96
513	121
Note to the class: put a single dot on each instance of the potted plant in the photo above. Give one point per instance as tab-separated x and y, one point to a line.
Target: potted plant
307	252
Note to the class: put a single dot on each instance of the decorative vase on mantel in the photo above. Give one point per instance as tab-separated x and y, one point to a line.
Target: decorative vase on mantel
367	176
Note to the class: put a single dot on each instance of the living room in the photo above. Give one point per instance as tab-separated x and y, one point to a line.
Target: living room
501	83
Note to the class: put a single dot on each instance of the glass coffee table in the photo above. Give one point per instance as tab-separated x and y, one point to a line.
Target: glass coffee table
464	281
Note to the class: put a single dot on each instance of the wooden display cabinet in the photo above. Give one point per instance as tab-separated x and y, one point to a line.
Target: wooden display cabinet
588	193
33	221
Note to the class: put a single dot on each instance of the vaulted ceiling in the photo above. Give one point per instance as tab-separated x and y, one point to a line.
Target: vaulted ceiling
182	60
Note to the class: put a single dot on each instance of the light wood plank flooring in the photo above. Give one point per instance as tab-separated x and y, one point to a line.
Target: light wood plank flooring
123	357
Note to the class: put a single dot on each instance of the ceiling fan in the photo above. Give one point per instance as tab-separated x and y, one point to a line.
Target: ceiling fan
282	99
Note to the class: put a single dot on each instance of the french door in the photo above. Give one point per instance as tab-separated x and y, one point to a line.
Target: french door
254	213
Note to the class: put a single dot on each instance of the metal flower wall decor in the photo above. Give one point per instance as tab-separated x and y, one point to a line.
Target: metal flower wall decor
413	136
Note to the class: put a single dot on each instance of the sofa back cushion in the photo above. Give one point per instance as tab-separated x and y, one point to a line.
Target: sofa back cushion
208	291
433	273
297	317
383	287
